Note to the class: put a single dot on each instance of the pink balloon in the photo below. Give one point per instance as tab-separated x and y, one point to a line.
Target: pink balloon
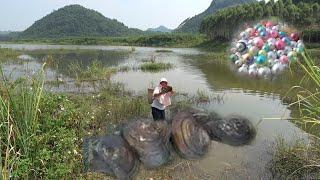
294	36
274	33
250	31
280	45
258	42
284	59
269	24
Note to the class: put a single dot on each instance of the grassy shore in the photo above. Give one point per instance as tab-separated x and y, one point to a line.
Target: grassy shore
42	132
157	40
301	160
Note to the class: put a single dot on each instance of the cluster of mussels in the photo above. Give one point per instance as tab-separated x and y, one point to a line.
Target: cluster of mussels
189	133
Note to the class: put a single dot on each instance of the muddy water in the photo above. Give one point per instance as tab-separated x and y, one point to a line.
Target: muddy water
259	100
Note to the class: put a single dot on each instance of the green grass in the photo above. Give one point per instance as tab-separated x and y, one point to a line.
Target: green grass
296	161
301	160
41	133
8	54
155	40
19	106
155	67
93	72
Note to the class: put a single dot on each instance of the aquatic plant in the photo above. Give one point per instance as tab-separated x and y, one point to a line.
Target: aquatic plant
163	51
8	54
92	72
155	67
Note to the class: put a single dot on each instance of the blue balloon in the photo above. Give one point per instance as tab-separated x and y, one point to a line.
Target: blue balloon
261	59
282	34
286	40
263	33
261	29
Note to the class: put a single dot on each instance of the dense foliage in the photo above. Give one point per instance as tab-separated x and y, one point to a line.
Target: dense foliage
75	20
192	25
224	23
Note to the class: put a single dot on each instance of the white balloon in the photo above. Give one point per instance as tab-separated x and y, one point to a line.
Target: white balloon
271	40
287	49
276	28
264	72
253	66
238	63
277	69
253	72
272	55
243	69
280	53
250	42
271	62
293	44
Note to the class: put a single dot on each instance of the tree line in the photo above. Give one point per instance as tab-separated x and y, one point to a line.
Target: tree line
304	15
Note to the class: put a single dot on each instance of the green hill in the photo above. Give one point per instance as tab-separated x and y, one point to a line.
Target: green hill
160	29
75	21
192	25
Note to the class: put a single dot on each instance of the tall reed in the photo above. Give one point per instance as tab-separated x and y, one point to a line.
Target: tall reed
19	108
309	97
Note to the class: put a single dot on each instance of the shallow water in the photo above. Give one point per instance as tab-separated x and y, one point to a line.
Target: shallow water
259	100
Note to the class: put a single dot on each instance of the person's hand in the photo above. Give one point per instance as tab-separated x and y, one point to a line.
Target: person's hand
166	89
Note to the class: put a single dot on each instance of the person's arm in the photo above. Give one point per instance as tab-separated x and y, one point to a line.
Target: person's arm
157	95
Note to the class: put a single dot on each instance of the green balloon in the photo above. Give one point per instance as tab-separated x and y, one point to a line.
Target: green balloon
266	47
233	57
300	50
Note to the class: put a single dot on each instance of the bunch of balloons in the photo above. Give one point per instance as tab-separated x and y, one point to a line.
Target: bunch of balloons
265	50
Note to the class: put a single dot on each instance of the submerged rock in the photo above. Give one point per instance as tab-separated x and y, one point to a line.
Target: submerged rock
189	138
150	140
234	130
110	155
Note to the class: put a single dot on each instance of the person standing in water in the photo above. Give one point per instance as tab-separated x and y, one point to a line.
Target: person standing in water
161	99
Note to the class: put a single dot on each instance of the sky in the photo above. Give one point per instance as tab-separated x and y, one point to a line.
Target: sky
17	15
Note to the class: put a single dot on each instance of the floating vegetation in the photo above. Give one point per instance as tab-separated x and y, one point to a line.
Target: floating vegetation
93	72
155	67
163	51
